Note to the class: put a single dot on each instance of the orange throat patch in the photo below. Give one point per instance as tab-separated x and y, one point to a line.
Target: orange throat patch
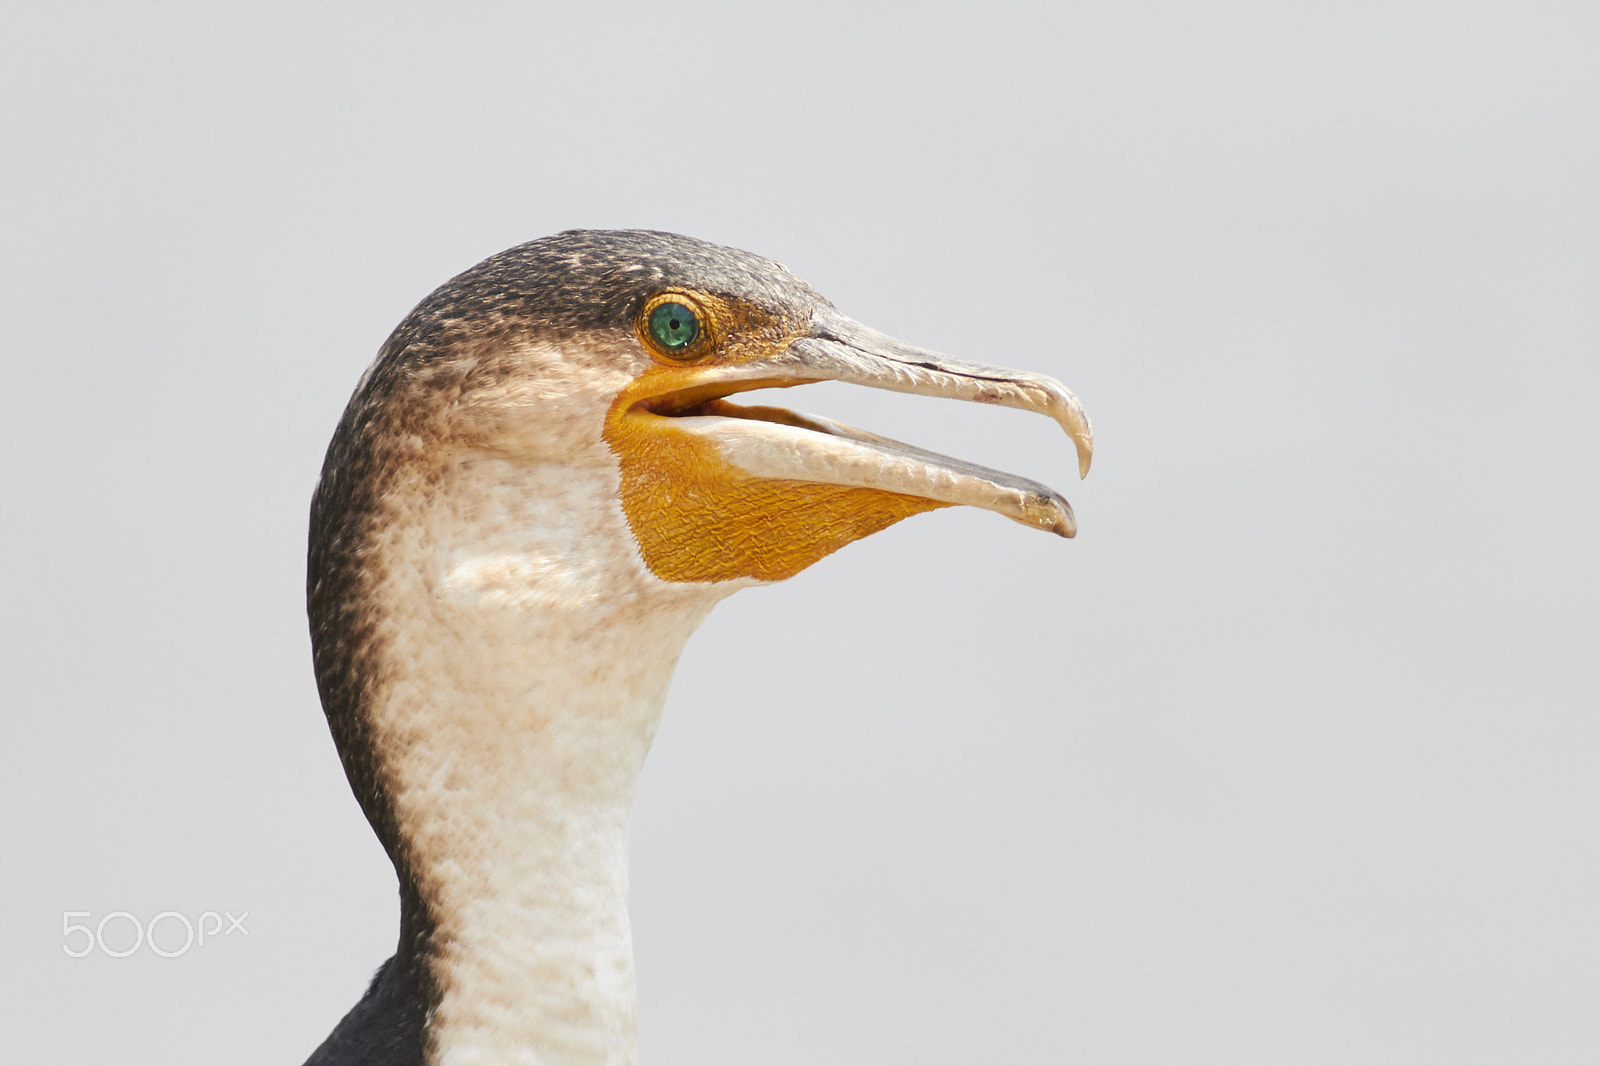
697	518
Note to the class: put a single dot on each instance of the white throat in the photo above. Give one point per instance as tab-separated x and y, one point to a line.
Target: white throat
527	654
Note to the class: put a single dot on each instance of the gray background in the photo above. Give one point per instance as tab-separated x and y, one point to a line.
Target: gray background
1288	758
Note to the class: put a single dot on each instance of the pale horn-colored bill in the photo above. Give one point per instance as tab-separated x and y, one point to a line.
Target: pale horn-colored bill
775	443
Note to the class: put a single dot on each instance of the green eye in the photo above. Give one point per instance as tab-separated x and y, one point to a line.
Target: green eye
674	327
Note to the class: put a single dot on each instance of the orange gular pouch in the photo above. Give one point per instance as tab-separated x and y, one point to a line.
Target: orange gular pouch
697	518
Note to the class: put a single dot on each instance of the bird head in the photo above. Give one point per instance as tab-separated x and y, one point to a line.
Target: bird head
617	351
536	493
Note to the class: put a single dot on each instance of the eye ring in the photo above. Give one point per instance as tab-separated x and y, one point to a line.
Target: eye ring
675	326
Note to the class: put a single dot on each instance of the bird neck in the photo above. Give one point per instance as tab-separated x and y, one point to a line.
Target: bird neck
523	681
520	848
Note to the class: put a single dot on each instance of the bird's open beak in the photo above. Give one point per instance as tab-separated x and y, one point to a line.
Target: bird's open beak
771	442
683	412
